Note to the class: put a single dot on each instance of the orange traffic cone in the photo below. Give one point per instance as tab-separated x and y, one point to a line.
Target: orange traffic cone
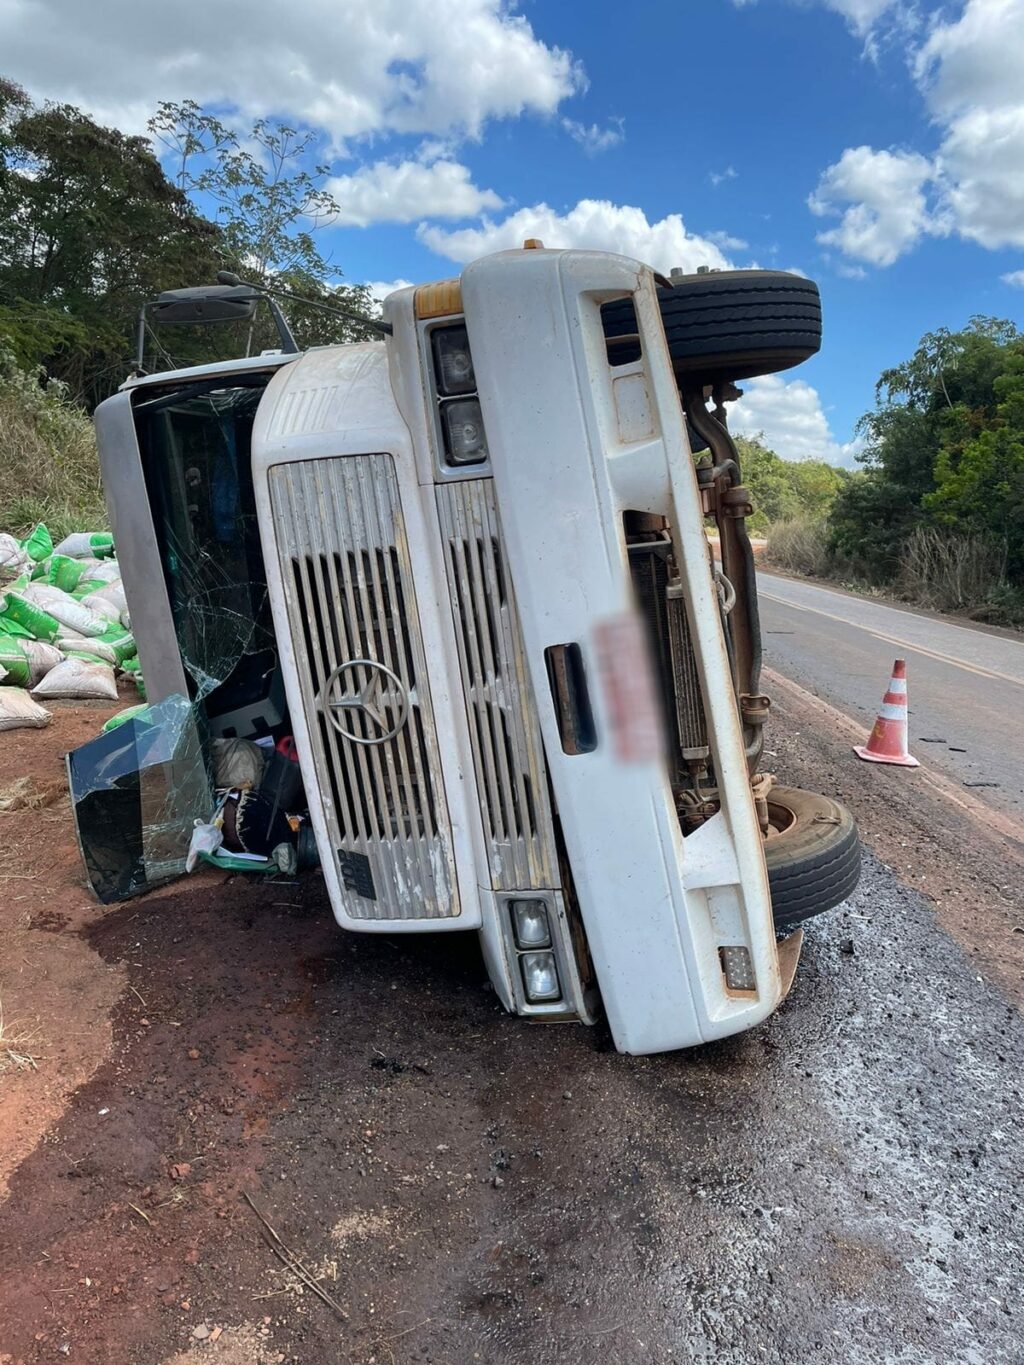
887	742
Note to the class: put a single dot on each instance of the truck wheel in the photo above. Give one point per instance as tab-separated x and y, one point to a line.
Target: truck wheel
728	324
812	854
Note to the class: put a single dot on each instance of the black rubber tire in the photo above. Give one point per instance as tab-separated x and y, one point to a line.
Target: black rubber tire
814	863
729	324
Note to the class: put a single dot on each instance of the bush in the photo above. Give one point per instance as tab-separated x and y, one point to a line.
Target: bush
800	545
49	467
951	572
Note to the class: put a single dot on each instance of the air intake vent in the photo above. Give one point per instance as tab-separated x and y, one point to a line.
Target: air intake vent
355	633
507	750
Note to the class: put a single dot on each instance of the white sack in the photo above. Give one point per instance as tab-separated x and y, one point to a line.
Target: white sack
17	709
78	679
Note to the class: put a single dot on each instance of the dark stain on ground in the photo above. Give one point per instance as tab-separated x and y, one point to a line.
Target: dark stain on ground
839	1185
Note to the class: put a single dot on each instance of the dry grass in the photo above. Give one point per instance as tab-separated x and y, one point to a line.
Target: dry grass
799	545
49	468
950	572
15	1046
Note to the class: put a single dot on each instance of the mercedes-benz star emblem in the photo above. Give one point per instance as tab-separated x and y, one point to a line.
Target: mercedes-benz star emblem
371	690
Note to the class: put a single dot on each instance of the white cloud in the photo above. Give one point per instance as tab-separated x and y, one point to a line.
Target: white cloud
593	223
594	139
861	15
791	418
716	177
402	192
969	70
728	242
380	289
881	201
1014	278
346	66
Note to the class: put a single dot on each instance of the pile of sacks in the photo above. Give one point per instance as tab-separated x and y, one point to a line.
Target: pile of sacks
64	625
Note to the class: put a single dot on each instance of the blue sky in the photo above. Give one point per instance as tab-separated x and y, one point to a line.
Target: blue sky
876	145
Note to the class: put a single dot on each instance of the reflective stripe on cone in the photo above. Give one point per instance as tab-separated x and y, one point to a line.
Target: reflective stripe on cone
887	742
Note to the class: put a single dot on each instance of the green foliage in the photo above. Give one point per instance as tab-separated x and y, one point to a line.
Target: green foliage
267	201
980	483
90	226
937	513
929	412
49	470
785	489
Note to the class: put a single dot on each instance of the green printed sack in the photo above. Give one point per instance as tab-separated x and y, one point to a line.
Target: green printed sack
39	624
14	662
63	572
39	544
83	544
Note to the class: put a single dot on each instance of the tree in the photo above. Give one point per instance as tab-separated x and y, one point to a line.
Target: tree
980	487
90	226
928	411
267	194
783	489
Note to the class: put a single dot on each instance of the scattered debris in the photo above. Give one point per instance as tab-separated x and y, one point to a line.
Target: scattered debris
29	793
291	1261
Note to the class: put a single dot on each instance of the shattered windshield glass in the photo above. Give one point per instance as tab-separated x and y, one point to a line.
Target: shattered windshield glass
136	792
139	789
199	473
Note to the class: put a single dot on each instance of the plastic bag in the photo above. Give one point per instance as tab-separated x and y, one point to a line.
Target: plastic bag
78	679
205	839
17	710
86	544
237	764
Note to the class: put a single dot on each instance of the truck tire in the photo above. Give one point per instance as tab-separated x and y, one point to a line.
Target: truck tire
813	857
728	324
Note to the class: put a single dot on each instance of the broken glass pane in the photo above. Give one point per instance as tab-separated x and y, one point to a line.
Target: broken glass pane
136	792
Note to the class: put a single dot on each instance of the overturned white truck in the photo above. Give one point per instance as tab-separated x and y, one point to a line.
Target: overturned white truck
467	568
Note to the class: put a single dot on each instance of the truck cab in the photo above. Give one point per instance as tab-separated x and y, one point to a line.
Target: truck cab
466	572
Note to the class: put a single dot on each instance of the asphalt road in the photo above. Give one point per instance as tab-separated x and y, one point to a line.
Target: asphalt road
965	689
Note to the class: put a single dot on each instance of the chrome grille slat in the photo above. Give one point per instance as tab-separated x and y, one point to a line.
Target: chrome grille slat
508	754
349	595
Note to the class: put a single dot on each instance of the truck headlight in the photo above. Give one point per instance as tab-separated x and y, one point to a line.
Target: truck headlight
530	924
540	977
464	437
453	364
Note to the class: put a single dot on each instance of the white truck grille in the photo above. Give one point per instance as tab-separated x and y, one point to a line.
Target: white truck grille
507	749
349	592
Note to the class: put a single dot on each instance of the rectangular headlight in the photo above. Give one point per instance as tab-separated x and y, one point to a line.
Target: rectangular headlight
453	364
464	439
530	924
540	977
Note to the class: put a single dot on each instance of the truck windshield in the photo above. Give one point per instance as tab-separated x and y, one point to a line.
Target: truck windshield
196	456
